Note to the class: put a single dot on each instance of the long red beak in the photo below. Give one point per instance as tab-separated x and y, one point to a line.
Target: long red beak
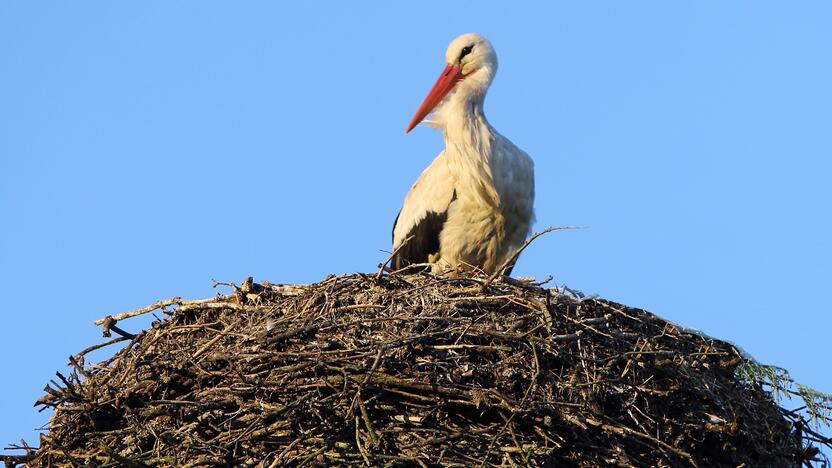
444	84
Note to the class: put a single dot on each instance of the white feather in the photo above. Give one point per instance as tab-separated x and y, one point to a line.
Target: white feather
493	179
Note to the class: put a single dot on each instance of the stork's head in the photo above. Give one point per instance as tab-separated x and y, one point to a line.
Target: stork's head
471	64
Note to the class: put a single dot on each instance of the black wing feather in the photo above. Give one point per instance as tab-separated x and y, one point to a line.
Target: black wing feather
424	241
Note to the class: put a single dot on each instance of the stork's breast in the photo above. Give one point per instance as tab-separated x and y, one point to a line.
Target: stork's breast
515	183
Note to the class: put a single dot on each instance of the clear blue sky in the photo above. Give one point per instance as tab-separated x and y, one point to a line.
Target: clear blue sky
148	147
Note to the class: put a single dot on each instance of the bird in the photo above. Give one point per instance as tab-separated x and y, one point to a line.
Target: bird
473	206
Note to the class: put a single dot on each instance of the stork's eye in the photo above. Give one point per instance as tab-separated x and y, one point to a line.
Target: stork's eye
465	51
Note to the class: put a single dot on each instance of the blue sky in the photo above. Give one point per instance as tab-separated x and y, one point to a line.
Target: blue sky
146	148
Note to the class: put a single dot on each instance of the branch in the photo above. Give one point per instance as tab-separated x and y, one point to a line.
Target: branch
381	267
140	311
99	346
110	325
516	254
158	305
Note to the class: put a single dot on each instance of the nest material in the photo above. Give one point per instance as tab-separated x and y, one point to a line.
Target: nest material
409	370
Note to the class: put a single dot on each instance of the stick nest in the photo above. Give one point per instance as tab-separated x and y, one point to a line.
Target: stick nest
408	370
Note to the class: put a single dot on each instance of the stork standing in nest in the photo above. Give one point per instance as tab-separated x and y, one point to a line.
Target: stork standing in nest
473	205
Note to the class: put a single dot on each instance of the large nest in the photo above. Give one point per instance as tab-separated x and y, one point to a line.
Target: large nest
412	370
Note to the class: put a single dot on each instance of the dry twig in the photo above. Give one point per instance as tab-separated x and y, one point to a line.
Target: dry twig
513	258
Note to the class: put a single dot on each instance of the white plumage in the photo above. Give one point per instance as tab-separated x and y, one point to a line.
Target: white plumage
473	205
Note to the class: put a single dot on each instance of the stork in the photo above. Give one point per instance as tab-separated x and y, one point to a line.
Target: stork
473	205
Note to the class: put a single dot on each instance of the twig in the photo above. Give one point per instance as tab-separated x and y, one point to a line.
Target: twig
213	340
285	289
367	422
140	311
532	385
509	261
617	428
367	378
364	454
413	266
221	283
100	345
384	264
74	362
123	461
270	340
110	325
313	455
177	301
543	281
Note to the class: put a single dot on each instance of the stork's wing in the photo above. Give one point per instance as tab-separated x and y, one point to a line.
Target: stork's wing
423	214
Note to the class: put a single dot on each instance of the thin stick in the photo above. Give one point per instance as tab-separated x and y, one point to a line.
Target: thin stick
367	422
220	283
77	365
414	266
532	385
214	340
516	254
140	311
357	397
619	429
100	345
158	305
110	325
381	267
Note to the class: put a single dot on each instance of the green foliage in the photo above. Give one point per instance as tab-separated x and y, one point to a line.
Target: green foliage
817	406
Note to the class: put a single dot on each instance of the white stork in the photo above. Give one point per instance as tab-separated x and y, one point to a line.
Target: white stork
473	206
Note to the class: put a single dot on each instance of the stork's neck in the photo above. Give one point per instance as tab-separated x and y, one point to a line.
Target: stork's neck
461	117
468	141
465	126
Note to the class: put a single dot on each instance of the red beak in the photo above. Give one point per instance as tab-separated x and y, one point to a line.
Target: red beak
444	84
